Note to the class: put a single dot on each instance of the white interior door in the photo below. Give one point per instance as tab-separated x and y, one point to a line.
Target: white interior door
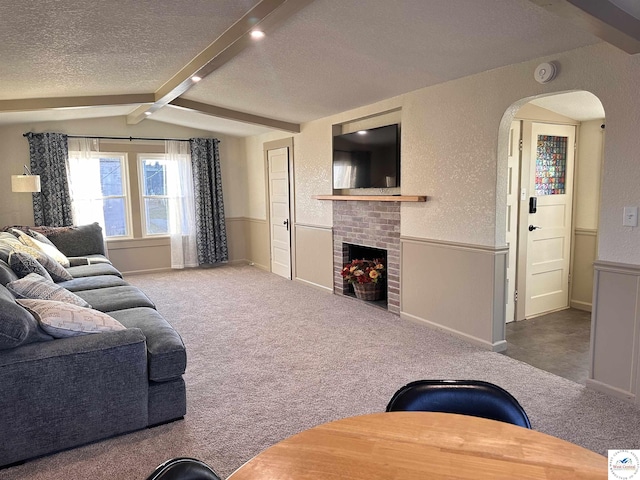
278	169
513	196
549	229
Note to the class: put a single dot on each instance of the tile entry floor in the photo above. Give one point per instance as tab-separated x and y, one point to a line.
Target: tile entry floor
557	343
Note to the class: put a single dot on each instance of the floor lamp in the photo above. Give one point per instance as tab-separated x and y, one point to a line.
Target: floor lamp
25	182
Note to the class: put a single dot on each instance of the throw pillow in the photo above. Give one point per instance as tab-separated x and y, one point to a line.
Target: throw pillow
40	237
57	271
24	264
37	287
78	241
17	325
62	320
46	248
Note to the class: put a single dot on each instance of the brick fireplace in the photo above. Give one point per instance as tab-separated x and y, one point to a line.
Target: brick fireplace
373	224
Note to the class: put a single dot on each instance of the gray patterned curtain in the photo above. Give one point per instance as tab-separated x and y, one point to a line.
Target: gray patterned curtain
211	230
49	152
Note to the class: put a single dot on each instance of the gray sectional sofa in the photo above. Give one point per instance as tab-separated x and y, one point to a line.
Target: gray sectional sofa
59	393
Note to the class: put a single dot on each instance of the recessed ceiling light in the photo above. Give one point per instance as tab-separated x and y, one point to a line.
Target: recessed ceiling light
196	78
362	132
147	113
257	34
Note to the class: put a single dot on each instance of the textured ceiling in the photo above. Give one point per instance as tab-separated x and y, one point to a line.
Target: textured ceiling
55	48
337	55
331	56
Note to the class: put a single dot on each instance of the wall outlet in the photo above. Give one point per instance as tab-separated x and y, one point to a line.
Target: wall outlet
630	217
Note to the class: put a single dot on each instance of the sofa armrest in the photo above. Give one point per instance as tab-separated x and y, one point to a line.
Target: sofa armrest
67	392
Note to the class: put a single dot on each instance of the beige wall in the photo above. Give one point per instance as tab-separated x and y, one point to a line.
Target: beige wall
586	212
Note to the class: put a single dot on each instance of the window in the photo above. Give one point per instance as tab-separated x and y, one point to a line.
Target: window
155	195
114	200
99	181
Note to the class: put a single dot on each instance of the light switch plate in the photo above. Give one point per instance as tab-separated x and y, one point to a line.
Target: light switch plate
630	217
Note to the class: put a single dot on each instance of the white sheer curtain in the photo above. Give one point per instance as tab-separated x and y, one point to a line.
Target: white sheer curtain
182	217
84	182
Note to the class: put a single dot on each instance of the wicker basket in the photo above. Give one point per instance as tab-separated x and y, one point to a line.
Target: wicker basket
368	291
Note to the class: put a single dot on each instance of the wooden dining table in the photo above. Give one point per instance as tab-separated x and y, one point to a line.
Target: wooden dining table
422	445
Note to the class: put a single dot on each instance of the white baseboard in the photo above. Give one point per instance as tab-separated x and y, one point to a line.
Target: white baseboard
314	285
609	390
150	270
585	306
494	347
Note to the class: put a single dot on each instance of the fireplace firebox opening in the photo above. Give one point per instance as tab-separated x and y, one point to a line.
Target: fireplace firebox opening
359	252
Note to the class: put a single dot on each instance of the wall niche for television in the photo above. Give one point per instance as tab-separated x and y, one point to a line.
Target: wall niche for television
367	156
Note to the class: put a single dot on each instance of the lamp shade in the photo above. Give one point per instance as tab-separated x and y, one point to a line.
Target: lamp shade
25	183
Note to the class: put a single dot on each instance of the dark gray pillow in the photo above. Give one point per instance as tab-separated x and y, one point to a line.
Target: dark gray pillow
24	264
17	325
78	241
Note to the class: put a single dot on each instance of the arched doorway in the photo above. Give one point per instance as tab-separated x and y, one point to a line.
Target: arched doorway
554	163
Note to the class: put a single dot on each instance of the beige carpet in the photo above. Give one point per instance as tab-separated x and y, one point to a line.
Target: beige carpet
269	357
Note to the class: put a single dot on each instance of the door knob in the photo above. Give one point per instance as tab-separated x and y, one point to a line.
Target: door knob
534	227
286	224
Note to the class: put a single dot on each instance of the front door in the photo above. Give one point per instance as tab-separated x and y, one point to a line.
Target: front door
548	230
278	170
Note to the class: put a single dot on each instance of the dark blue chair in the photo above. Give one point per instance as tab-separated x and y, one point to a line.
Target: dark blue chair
465	397
183	468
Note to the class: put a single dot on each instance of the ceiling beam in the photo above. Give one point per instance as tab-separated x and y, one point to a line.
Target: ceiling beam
221	112
601	18
29	104
267	14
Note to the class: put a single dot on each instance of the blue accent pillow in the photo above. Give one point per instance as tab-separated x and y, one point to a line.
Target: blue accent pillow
24	264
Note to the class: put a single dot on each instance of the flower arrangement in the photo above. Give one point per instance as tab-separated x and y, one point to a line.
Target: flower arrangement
364	271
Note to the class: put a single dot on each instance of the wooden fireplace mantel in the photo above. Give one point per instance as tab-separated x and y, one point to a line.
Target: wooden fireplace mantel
374	198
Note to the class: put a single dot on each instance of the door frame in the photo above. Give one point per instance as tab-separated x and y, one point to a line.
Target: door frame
274	145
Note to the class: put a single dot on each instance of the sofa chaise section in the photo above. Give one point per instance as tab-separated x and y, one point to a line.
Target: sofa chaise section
67	392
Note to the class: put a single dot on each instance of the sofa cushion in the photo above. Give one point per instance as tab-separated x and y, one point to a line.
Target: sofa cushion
54	268
38	236
93	270
91	283
38	287
17	325
24	264
116	298
61	320
77	241
165	349
43	247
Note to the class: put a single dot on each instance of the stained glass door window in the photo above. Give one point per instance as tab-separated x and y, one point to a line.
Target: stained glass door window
551	165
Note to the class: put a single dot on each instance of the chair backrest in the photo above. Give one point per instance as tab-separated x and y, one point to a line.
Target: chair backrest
466	397
183	468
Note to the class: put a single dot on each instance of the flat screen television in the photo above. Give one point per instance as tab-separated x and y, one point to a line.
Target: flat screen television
367	158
